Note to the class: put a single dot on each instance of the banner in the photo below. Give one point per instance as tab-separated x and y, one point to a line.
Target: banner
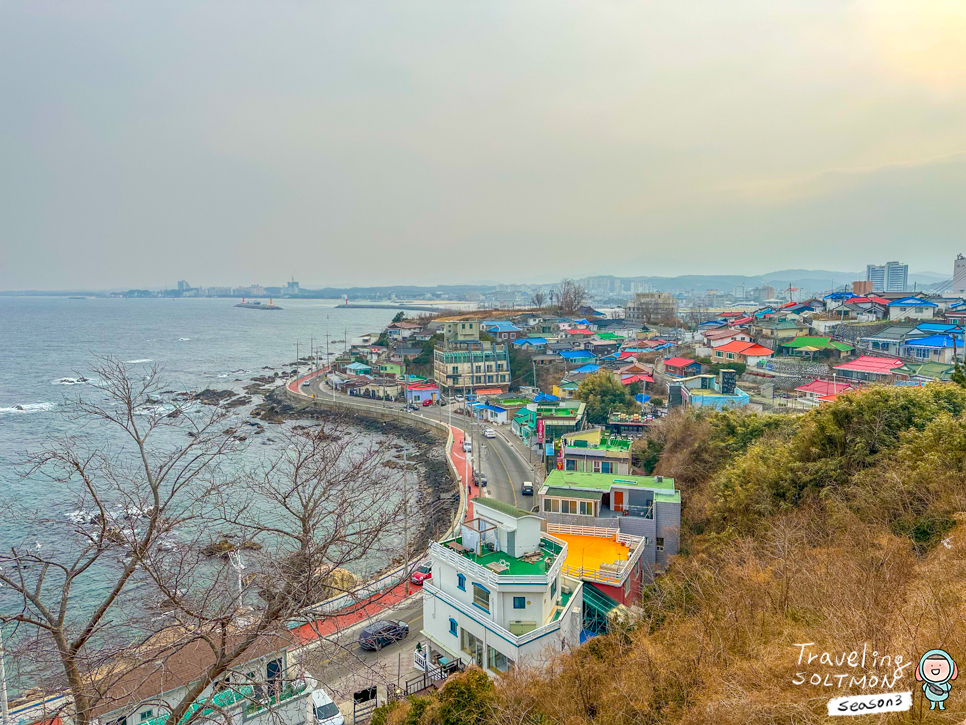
539	430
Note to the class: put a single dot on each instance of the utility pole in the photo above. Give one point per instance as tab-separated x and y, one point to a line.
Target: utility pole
296	359
4	708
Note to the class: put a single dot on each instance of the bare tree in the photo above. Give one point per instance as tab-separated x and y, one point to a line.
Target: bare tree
570	296
538	299
137	574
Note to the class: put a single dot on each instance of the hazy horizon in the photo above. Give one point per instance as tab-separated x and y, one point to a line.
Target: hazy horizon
440	143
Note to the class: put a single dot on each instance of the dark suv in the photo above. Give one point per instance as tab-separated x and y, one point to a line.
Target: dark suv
383	632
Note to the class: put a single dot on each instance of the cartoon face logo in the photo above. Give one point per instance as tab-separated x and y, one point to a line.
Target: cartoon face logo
935	672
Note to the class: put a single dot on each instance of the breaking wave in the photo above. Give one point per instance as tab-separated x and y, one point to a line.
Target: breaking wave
139	360
28	408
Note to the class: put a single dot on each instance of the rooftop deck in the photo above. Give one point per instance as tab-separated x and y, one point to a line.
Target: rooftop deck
589	552
514	566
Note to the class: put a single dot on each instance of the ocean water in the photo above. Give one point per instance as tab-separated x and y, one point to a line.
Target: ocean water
47	343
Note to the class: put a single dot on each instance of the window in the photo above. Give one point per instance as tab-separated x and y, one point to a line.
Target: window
596	466
553	588
461	582
147	715
497	661
731	356
660	543
481	597
519	602
473	646
571	464
606	467
568	507
453	629
551	505
586	508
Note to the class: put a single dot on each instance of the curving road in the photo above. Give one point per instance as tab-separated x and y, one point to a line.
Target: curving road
505	465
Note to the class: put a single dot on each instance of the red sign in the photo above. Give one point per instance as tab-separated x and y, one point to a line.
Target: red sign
539	430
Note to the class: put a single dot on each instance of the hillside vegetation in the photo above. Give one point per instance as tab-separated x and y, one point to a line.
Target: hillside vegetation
840	527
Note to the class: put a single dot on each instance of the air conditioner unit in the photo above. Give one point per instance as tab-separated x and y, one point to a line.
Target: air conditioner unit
658	479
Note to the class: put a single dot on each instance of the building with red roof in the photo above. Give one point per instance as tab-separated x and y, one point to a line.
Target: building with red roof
820	389
749	353
873	369
681	367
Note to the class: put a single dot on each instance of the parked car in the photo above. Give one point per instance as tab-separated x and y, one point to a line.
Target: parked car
382	632
489	433
412	406
467	445
426	402
479	478
527	488
422	573
326	711
458	398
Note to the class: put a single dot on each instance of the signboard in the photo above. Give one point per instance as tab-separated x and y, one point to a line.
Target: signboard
539	430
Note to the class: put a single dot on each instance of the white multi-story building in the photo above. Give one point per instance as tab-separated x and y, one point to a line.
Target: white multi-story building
959	276
497	597
888	277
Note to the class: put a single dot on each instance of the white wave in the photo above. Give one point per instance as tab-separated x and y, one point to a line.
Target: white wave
223	376
28	408
183	339
70	381
139	360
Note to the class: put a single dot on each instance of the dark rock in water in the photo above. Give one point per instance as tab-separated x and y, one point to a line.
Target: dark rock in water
18	407
213	397
223	546
239	401
174	413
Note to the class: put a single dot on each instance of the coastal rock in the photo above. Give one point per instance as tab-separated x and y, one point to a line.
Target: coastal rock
213	397
239	401
221	548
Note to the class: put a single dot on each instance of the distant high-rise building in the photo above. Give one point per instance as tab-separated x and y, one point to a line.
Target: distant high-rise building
959	275
862	287
889	277
183	286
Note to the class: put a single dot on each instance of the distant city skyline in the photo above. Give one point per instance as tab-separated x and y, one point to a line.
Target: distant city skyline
429	142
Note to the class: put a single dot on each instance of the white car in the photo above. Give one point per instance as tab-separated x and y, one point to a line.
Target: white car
467	446
489	433
458	398
326	711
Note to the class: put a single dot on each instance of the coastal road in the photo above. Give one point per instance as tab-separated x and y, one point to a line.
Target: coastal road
504	464
344	667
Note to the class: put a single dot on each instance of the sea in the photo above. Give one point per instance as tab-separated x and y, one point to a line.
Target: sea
47	345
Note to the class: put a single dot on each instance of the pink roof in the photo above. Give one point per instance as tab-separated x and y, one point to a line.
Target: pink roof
740	321
721	334
678	362
731	314
824	387
745	348
872	364
422	386
580	331
628	379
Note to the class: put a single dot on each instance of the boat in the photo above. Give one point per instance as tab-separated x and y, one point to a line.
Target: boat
258	305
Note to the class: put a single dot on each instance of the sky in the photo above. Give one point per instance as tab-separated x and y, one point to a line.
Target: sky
441	142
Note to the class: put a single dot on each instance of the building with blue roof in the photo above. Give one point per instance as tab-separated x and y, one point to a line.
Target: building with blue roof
577	355
589	368
531	343
914	308
933	348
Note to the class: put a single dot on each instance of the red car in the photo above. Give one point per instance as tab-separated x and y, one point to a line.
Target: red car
422	573
426	402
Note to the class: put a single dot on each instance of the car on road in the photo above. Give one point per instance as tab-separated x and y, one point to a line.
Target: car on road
489	433
479	478
458	398
412	406
467	445
381	633
422	573
326	711
427	402
527	488
306	383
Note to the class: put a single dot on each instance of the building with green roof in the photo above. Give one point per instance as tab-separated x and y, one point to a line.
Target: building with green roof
808	346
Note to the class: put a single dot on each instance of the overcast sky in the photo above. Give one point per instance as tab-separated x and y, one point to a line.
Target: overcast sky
432	142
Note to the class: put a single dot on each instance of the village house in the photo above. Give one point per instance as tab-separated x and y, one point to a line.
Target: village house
912	308
873	369
597	513
462	362
718	337
681	367
397	331
811	346
498	597
748	353
592	451
820	391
